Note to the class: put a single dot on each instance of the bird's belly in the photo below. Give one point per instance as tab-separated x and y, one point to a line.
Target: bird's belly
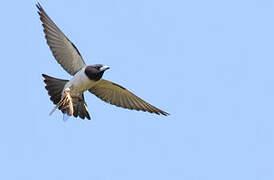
79	83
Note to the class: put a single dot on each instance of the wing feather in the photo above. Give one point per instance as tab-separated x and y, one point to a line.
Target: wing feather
64	51
117	95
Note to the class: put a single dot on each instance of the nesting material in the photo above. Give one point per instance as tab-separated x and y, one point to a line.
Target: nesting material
65	104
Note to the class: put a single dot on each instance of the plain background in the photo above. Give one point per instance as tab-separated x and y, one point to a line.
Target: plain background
208	63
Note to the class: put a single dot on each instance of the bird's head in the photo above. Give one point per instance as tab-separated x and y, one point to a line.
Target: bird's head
95	72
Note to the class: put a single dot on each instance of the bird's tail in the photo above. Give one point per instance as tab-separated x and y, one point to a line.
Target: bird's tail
75	106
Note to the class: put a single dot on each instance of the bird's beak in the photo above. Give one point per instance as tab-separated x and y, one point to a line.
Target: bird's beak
104	68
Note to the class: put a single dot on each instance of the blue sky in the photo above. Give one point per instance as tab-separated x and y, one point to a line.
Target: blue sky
208	63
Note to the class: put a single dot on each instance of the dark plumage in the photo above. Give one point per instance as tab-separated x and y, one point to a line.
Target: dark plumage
93	72
55	87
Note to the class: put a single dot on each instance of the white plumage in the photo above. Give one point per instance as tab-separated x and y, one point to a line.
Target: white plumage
79	83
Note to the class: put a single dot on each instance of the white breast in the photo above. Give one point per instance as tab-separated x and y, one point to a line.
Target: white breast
79	83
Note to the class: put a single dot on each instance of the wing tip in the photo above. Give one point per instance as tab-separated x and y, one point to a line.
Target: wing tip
160	112
39	7
44	75
165	113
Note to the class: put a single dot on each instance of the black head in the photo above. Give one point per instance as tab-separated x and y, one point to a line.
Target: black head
95	72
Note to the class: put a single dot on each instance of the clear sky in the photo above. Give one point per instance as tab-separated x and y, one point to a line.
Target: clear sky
208	63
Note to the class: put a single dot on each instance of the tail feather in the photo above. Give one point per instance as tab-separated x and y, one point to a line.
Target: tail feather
55	88
75	107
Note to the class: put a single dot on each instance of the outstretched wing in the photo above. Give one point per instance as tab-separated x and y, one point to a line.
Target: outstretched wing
64	51
117	95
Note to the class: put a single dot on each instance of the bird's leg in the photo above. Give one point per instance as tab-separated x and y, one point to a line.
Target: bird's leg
65	102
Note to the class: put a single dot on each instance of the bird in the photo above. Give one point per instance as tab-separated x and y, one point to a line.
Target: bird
68	95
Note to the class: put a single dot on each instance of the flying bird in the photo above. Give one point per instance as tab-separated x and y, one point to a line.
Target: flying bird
68	95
